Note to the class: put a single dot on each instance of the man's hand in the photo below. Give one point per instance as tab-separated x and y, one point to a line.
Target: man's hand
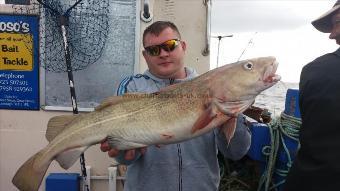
112	152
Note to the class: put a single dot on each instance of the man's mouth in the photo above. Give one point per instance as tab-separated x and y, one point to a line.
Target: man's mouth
164	63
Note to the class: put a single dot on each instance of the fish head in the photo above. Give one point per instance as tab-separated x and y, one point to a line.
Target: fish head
251	77
242	81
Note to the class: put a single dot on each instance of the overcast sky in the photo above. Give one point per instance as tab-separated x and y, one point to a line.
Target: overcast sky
280	28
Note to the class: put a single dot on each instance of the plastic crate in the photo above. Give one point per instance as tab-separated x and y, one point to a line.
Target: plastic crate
292	103
261	138
62	182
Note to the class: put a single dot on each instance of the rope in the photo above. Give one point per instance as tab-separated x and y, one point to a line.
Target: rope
285	125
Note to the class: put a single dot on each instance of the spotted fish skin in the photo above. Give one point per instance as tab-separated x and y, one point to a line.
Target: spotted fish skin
176	113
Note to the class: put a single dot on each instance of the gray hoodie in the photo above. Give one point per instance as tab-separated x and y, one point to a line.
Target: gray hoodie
188	166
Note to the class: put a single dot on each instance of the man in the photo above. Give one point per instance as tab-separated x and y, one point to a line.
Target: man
187	166
317	165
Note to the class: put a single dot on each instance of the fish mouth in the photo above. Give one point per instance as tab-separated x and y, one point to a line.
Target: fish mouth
269	75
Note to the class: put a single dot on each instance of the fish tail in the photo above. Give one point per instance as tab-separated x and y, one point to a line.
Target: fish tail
30	174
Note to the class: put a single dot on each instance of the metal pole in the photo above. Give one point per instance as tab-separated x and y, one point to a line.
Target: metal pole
112	178
218	47
218	50
64	22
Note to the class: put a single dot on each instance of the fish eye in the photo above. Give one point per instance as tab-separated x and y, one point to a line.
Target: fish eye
248	66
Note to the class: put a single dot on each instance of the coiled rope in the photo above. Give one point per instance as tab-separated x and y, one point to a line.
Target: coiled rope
285	125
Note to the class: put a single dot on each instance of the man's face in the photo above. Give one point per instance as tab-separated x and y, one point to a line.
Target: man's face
335	33
168	64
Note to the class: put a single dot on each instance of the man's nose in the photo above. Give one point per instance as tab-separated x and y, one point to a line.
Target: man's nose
163	52
335	32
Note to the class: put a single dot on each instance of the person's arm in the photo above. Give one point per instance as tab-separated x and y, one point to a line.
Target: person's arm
239	144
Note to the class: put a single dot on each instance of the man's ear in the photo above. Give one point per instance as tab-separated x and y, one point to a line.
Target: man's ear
144	53
184	45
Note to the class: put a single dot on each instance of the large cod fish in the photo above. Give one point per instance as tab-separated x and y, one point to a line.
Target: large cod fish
174	114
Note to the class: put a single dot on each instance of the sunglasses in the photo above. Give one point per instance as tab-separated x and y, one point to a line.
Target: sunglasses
155	50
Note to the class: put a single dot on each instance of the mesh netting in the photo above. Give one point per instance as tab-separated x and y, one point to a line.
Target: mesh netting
87	29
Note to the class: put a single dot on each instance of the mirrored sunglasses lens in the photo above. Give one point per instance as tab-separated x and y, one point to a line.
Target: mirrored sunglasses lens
170	45
153	50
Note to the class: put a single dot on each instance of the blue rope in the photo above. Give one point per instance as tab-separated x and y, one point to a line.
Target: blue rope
285	125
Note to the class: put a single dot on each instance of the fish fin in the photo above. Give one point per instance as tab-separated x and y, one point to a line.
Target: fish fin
67	158
108	102
229	127
113	100
232	108
57	124
28	177
204	119
122	144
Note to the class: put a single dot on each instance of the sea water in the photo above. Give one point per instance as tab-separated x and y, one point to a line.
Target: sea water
274	98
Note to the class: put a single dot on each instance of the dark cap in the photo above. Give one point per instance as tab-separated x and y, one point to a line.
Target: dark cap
324	22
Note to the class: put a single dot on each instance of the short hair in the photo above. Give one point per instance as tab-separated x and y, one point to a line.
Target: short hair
157	27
